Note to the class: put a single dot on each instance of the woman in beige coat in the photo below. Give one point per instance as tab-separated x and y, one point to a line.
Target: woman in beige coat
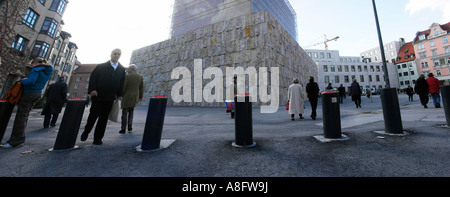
297	96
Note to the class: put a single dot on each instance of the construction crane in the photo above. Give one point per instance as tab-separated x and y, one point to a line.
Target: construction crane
325	42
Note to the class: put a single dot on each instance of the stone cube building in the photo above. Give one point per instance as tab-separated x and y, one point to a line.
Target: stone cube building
251	40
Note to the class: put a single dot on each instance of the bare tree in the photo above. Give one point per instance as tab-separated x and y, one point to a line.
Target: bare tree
12	62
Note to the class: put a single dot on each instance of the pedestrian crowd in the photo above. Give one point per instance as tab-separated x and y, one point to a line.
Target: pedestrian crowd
109	83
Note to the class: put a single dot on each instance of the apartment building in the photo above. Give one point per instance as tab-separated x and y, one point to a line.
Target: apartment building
407	66
79	83
432	50
37	33
390	50
336	69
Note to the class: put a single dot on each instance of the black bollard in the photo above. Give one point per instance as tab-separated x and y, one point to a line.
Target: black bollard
445	90
243	122
70	125
331	113
391	111
6	110
154	125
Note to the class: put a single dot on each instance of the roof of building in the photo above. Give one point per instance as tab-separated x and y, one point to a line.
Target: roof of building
427	32
85	69
406	53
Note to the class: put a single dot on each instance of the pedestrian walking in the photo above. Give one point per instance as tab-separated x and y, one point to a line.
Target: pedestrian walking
356	93
106	84
32	91
56	97
421	89
410	93
296	95
433	88
341	90
132	94
329	87
312	89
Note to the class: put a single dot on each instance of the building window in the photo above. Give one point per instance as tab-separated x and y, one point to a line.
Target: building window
378	78
78	79
422	37
58	6
346	79
20	43
432	43
30	18
346	68
445	40
339	68
436	63
42	1
325	68
361	78
49	27
327	79
332	69
336	79
75	86
40	49
438	73
447	49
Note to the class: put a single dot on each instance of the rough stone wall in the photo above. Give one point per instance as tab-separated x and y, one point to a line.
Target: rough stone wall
254	40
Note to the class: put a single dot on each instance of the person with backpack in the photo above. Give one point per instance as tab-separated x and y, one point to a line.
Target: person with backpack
32	90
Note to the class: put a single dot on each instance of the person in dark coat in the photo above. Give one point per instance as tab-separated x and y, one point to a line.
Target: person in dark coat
356	93
106	84
341	93
56	97
410	93
421	89
312	89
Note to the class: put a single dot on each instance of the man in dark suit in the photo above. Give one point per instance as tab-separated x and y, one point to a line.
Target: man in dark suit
56	97
106	84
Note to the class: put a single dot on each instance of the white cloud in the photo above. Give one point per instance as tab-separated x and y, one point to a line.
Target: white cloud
415	6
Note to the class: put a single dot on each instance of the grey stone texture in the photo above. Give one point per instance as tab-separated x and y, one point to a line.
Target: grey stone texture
253	40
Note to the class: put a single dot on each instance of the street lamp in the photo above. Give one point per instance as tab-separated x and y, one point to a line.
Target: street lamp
389	97
383	56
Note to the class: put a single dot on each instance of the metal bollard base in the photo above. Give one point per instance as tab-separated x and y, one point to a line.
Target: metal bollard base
321	138
243	146
165	143
62	150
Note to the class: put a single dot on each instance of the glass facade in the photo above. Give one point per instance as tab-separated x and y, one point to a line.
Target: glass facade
189	15
280	10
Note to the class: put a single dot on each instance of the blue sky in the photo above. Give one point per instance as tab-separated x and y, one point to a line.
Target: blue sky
98	26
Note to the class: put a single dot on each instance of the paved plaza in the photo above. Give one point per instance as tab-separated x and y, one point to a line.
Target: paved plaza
285	148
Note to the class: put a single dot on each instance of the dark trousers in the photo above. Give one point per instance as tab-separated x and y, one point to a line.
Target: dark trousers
47	118
100	110
313	102
357	100
127	118
25	106
424	98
